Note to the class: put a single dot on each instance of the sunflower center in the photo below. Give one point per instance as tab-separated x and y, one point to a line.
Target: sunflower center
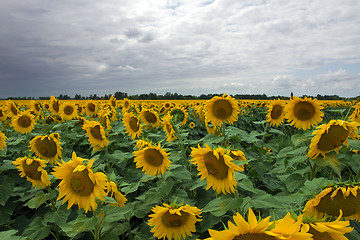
95	132
332	139
222	109
254	236
24	121
216	167
81	183
91	107
1	113
174	220
304	111
68	110
13	109
276	111
37	107
126	104
56	106
153	157
150	117
133	122
46	147
31	170
331	207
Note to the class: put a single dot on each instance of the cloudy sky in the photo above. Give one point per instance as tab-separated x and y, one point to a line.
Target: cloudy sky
50	47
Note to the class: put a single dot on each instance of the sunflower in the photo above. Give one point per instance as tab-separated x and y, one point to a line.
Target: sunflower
217	167
3	116
331	136
47	147
91	108
174	221
132	125
24	122
237	155
11	108
3	139
96	134
33	170
152	159
54	105
126	105
303	113
168	127
106	117
112	191
150	118
322	229
222	109
179	115
355	115
192	125
200	110
35	107
333	199
79	184
276	113
68	110
285	228
112	102
211	129
141	144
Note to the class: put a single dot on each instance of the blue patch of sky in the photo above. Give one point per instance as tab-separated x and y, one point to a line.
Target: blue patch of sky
350	68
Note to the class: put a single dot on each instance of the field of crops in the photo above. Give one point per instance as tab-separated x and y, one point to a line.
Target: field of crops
216	169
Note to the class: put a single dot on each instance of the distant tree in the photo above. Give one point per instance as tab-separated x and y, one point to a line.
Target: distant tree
120	95
77	96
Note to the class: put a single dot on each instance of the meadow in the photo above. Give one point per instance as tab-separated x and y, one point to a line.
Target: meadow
179	169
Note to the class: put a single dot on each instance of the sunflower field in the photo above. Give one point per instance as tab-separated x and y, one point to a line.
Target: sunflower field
197	169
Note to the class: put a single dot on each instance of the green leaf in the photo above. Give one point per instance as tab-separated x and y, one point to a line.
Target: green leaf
40	198
198	184
6	188
130	188
8	235
181	173
58	217
36	230
294	182
113	214
83	223
247	185
220	205
265	200
273	130
121	228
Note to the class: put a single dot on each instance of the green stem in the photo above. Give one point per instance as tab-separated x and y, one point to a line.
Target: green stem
266	130
54	209
97	232
357	176
223	133
347	114
313	169
107	158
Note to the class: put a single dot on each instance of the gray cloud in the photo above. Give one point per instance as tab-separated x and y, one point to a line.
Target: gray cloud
192	47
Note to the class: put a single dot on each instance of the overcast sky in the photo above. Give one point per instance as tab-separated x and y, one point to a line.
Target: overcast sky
273	47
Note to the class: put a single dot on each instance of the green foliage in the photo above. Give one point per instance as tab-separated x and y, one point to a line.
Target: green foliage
278	178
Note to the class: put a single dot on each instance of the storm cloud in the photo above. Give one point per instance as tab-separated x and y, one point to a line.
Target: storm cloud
189	47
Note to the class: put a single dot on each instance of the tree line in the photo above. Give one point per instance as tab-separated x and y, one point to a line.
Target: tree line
175	96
